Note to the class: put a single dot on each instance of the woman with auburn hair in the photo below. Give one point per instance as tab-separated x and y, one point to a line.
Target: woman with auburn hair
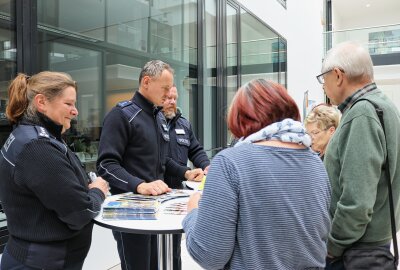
44	189
265	202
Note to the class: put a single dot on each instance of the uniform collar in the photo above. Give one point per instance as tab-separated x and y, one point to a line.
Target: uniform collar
39	119
145	104
172	121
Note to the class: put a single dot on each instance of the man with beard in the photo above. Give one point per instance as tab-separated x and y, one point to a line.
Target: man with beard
183	145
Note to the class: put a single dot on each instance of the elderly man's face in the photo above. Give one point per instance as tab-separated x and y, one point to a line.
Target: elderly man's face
169	105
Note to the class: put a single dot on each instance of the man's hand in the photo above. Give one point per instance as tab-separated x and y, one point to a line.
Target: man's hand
194	175
101	184
193	201
206	169
156	187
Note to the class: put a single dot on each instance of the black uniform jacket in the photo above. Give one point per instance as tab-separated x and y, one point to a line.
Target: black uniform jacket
183	146
45	195
133	145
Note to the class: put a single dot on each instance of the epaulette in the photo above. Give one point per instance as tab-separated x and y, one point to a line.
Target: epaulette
42	132
125	103
24	134
130	109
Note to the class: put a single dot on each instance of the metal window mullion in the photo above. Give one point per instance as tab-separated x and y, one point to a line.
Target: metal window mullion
26	35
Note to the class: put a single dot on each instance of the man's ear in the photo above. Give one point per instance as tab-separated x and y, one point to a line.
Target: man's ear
40	103
145	82
339	76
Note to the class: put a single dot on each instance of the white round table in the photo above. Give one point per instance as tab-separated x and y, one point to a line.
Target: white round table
165	225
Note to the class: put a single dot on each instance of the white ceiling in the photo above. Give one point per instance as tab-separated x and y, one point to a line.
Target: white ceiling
357	12
354	14
349	8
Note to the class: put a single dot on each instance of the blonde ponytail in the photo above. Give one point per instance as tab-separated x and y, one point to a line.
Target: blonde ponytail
18	100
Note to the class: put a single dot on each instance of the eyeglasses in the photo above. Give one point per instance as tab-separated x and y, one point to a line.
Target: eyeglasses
314	133
320	77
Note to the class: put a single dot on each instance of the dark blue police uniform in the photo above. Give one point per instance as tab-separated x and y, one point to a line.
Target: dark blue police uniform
45	196
132	150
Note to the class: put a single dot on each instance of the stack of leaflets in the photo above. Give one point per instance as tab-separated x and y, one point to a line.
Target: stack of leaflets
130	206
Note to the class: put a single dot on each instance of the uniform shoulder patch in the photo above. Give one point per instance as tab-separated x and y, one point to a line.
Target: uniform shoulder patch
42	132
125	103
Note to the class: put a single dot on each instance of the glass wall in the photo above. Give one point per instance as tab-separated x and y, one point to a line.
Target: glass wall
210	77
8	62
104	45
260	50
8	69
232	64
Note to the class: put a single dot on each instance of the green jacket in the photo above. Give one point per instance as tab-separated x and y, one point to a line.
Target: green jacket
354	160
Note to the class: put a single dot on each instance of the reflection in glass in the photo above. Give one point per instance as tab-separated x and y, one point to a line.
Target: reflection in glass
84	67
8	66
232	57
104	44
5	7
210	67
260	50
73	17
282	61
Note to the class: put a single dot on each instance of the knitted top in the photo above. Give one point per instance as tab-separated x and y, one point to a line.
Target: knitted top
262	208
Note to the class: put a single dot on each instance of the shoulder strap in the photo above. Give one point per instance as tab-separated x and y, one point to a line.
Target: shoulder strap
379	112
130	109
24	134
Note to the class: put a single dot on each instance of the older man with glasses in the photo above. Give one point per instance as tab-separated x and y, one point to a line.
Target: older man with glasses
355	160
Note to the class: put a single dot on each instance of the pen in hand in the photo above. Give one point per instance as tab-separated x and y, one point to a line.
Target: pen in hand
92	177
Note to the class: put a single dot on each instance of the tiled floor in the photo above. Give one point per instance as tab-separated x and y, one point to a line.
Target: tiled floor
187	261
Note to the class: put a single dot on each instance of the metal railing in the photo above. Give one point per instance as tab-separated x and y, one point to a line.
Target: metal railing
384	39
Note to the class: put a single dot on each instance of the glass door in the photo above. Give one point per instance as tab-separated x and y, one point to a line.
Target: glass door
85	67
8	70
232	64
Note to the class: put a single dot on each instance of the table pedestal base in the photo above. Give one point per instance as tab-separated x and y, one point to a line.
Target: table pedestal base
165	252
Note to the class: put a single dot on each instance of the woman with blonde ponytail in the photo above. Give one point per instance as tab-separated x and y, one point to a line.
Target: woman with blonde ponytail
18	101
44	190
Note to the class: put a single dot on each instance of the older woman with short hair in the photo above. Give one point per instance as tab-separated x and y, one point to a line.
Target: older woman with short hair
321	123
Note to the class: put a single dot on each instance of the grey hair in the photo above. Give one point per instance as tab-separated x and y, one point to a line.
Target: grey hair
352	58
324	116
153	69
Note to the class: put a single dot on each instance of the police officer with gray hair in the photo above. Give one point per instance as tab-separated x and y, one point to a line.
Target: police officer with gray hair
132	155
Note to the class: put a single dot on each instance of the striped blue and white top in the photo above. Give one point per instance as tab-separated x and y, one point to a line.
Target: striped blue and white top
262	208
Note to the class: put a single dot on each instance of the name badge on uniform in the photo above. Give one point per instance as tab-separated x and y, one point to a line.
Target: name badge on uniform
180	131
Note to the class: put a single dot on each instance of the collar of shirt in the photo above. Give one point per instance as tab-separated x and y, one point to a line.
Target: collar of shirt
348	102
